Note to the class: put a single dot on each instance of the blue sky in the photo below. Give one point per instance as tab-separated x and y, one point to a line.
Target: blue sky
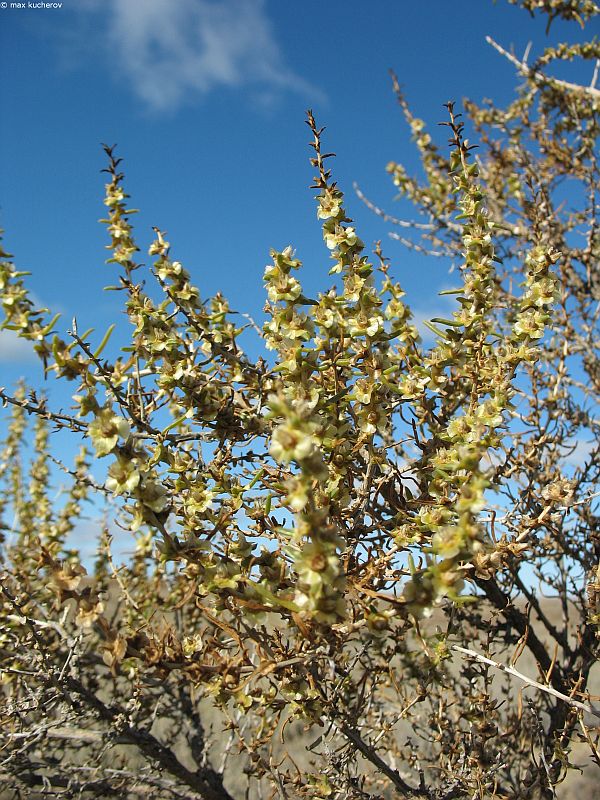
206	101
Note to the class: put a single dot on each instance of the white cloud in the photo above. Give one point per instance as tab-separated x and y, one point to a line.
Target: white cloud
578	450
170	51
14	350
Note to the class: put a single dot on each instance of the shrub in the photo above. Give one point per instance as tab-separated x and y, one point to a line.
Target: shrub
342	539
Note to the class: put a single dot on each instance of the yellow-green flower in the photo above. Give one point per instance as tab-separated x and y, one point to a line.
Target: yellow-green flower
123	476
531	323
330	204
449	542
105	430
291	443
153	495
